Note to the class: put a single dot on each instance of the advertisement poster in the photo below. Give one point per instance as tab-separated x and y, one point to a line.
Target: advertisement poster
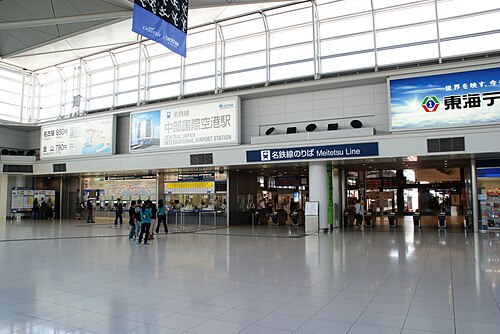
145	130
21	200
214	123
123	187
445	100
92	136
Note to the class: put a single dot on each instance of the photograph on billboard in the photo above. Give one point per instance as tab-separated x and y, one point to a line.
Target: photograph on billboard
445	100
90	136
145	130
210	123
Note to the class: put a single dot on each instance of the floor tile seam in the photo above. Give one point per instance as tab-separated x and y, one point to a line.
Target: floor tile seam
416	286
333	298
62	238
478	265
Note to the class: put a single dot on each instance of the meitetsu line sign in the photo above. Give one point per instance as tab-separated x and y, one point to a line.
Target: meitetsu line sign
314	152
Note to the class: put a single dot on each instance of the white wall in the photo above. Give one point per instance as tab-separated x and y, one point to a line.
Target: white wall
367	103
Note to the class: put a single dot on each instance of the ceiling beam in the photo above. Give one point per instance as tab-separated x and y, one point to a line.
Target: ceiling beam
64	20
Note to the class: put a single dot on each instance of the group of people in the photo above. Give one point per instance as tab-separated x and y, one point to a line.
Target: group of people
145	217
42	210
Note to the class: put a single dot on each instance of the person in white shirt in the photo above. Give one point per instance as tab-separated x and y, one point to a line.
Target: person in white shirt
359	211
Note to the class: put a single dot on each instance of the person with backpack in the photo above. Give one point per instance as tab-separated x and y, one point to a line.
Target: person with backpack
145	222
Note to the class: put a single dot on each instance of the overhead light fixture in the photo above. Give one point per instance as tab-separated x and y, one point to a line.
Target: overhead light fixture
333	126
356	124
271	131
291	129
31	153
311	127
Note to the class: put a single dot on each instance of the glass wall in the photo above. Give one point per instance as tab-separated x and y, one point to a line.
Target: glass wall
302	40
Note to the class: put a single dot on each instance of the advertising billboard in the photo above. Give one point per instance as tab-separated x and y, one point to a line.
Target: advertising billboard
445	100
86	136
211	123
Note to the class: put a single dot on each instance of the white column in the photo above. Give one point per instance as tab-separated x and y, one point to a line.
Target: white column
337	197
4	196
318	190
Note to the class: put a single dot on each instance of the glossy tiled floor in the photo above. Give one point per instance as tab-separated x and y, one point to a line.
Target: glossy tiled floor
62	278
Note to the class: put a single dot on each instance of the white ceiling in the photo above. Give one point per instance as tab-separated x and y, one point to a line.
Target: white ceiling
30	39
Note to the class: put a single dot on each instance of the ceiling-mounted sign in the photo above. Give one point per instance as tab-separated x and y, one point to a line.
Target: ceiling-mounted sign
208	124
163	21
314	152
445	100
85	136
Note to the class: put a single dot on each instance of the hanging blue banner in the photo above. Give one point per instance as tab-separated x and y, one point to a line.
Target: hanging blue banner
314	152
163	21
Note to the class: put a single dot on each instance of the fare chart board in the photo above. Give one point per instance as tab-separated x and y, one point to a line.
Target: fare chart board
90	136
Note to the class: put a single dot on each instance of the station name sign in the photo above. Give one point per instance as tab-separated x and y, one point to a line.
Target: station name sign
210	123
314	152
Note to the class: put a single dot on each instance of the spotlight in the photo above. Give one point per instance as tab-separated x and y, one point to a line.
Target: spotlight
311	127
270	131
291	129
12	152
333	126
5	151
356	124
31	153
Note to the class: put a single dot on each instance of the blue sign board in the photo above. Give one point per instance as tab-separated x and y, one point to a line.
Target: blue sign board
162	21
314	152
446	100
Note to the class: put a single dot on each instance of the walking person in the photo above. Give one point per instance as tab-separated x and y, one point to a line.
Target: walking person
137	215
131	222
154	212
90	212
162	217
359	211
118	212
145	222
78	210
35	209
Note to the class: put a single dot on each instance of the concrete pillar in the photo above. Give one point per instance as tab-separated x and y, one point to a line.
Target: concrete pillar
318	190
4	196
475	204
337	197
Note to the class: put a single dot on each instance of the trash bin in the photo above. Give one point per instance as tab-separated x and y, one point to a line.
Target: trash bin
467	219
346	217
442	219
416	220
393	220
274	218
368	219
294	216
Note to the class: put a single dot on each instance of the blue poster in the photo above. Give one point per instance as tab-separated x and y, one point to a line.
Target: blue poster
145	130
163	21
314	152
445	100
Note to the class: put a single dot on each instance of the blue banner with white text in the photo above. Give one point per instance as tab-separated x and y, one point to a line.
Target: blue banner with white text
314	152
163	21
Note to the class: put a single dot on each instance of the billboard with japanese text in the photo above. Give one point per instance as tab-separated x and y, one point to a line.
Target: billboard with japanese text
445	100
85	136
208	124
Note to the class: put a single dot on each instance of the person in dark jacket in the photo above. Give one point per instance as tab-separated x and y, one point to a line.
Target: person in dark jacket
131	222
118	212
